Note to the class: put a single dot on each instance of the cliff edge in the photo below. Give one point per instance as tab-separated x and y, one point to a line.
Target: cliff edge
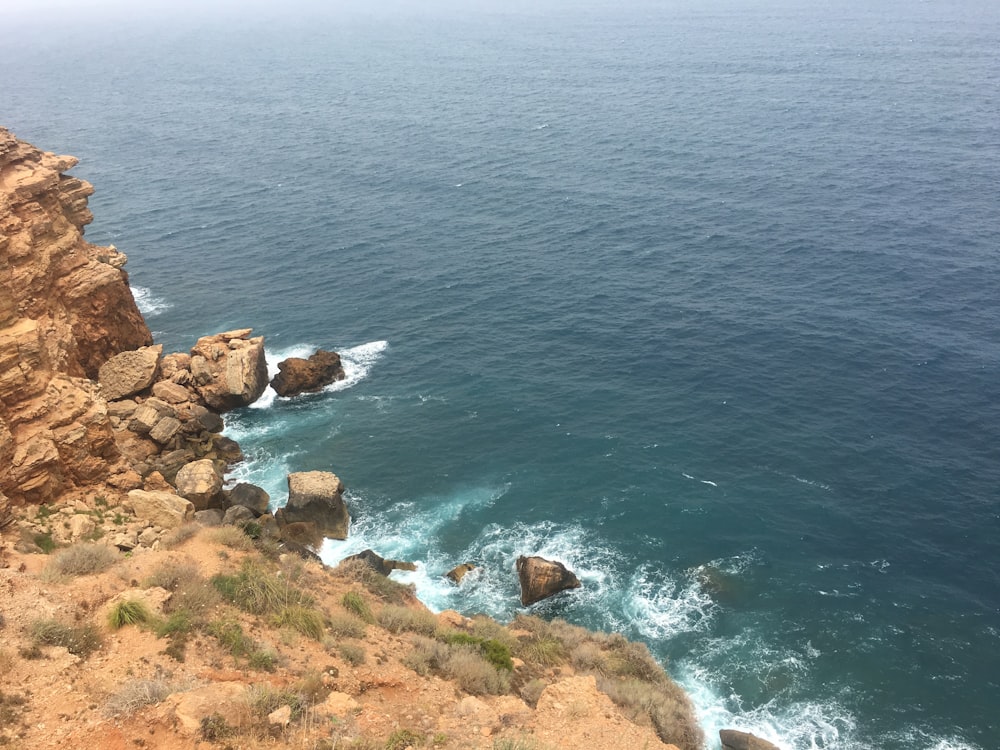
65	309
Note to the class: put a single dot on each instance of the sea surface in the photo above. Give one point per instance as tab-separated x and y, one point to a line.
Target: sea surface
701	298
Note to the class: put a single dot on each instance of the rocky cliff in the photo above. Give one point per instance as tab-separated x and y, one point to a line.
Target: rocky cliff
65	309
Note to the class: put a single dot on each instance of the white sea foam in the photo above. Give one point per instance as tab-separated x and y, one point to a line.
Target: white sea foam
148	304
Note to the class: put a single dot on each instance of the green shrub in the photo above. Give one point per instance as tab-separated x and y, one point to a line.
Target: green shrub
78	640
45	542
355	603
230	635
263	699
214	728
460	662
346	625
402	739
128	612
258	591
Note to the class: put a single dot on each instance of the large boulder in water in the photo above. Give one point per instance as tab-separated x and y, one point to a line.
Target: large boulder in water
297	375
316	496
229	370
734	740
541	578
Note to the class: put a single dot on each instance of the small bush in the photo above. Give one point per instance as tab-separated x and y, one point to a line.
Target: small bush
263	699
355	603
230	635
135	694
345	625
398	619
376	584
232	537
545	651
490	630
510	743
45	542
257	591
214	728
180	535
460	662
80	641
128	612
79	560
402	739
305	620
666	706
353	655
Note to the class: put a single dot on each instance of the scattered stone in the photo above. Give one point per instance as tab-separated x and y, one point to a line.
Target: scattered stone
337	704
172	393
280	717
148	537
163	509
297	375
379	564
190	708
457	573
155	482
735	740
129	372
200	482
316	496
165	429
541	578
80	526
251	496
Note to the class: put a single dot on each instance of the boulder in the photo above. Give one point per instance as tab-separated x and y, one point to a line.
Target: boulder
457	573
379	564
165	429
316	496
238	515
297	375
227	699
229	369
305	533
251	496
163	509
735	740
129	373
210	517
172	393
541	578
200	482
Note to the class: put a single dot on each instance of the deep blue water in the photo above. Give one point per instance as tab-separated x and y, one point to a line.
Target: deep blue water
652	289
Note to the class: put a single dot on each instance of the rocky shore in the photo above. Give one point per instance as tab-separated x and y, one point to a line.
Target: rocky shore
112	468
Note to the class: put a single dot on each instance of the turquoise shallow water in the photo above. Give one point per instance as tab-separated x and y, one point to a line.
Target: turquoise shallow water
650	289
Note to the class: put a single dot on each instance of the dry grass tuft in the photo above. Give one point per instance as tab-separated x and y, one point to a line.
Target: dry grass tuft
355	604
376	584
128	612
79	560
181	534
232	537
459	662
664	704
305	620
135	694
398	619
345	625
78	640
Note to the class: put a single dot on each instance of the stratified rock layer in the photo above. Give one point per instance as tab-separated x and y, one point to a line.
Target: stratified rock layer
65	310
317	497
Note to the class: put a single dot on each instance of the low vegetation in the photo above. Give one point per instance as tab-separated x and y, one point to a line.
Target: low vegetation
79	560
79	640
357	605
135	694
128	612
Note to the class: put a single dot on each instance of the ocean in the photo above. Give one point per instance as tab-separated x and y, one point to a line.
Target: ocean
699	298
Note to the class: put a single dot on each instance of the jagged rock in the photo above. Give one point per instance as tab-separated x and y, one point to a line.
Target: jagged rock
238	515
735	740
165	429
144	419
125	540
229	369
192	707
209	517
206	419
250	495
269	528
316	496
163	509
379	564
297	375
122	409
155	482
170	392
227	450
305	533
129	373
541	578
148	537
200	482
457	573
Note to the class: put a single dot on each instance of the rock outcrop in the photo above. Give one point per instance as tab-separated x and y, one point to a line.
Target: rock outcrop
541	578
229	370
380	564
317	497
735	740
456	574
297	375
65	310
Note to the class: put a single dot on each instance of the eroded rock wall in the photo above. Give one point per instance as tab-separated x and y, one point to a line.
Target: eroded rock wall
65	309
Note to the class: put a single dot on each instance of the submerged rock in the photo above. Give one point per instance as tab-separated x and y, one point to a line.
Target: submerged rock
297	375
541	578
734	740
459	572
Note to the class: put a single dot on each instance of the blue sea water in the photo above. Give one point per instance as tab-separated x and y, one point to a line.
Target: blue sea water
673	292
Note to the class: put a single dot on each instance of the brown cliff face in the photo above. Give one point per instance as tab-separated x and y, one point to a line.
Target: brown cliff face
65	309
